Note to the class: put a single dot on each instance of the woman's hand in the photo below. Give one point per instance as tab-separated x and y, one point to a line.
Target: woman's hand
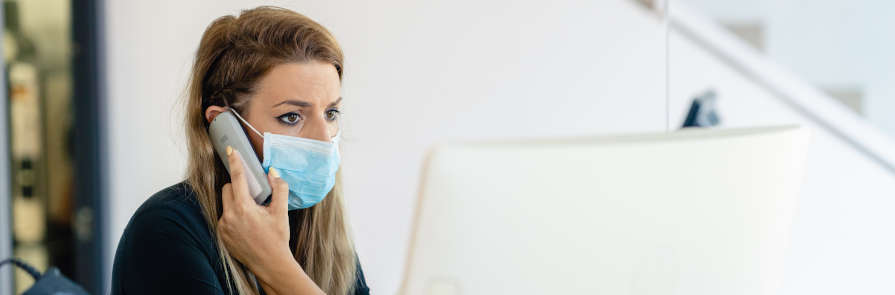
258	236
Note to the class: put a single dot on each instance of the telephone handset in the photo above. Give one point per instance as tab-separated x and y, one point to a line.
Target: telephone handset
225	131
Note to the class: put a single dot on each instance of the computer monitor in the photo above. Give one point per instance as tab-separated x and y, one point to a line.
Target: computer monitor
687	212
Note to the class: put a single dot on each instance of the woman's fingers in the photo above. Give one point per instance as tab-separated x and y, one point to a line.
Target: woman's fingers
228	206
238	178
280	197
227	197
250	232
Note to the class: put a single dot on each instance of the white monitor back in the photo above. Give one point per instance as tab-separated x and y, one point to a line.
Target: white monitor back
688	212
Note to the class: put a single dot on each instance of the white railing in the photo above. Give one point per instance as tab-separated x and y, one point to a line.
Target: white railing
784	85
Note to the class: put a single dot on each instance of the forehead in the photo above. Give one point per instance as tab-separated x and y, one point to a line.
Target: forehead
315	82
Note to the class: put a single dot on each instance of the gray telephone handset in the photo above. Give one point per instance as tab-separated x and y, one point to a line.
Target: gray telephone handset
225	131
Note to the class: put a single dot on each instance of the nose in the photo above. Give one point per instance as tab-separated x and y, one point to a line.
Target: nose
316	128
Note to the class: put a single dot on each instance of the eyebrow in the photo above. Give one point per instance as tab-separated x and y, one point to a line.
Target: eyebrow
301	103
336	102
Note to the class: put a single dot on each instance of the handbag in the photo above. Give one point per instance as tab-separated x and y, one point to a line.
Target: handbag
51	282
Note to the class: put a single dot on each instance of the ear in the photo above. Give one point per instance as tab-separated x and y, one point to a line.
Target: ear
213	111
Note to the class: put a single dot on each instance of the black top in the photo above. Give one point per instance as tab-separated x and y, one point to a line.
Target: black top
167	248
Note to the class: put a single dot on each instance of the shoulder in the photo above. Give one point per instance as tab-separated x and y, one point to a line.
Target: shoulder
174	209
166	242
178	198
360	284
170	216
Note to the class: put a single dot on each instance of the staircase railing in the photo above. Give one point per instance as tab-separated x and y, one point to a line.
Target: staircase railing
805	99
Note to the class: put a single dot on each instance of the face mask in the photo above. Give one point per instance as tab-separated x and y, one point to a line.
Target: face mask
308	166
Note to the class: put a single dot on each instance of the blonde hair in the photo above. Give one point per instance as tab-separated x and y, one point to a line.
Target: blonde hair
235	52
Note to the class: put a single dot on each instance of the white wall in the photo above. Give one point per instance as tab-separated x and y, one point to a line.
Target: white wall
840	42
417	73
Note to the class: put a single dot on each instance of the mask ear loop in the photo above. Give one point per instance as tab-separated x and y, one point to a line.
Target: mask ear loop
232	110
338	136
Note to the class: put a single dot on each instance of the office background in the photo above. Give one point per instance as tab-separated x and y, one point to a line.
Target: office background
421	73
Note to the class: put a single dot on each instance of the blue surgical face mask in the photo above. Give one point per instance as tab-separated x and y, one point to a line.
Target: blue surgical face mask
308	166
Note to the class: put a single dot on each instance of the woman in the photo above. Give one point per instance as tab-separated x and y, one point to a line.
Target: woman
280	73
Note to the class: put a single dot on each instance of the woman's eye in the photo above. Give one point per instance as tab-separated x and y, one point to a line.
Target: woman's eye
290	118
332	115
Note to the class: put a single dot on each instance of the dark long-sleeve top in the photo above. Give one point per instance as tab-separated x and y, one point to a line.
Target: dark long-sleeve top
167	248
